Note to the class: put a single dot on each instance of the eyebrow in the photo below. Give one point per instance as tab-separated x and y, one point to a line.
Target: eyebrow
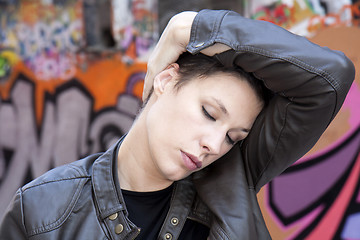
224	110
221	106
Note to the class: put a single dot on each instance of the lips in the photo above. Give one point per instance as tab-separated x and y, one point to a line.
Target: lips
191	162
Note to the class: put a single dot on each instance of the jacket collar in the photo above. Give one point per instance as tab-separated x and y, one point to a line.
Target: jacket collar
105	187
107	194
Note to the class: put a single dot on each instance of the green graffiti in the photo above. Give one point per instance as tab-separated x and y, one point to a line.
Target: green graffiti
4	68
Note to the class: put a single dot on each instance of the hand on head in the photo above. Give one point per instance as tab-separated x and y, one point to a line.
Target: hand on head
171	45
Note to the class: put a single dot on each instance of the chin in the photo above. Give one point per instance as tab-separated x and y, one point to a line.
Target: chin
177	175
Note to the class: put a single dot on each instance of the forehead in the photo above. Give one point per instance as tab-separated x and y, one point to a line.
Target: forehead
235	94
223	84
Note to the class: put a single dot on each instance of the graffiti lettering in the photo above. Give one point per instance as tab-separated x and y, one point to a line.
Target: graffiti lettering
7	60
48	49
47	68
54	38
330	20
278	13
69	130
283	15
4	68
135	27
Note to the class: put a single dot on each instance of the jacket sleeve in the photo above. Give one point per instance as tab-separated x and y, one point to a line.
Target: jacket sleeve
310	84
12	226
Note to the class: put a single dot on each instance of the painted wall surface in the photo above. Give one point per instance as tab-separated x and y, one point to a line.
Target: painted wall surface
306	17
59	103
135	27
319	196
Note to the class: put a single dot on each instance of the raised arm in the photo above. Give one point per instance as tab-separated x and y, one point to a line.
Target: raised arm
171	45
310	83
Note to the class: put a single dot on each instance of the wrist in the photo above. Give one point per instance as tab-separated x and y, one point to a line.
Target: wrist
180	28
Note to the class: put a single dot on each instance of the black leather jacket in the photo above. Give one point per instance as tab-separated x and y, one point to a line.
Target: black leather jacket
83	201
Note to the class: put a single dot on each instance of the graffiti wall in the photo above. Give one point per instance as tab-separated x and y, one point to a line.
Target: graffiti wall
306	17
319	196
135	26
58	102
46	41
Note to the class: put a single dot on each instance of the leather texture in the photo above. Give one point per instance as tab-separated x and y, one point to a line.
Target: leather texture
310	84
83	200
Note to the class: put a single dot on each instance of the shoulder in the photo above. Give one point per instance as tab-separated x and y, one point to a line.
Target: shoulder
75	170
48	200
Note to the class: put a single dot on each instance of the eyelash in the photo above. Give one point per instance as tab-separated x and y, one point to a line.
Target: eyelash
208	116
206	113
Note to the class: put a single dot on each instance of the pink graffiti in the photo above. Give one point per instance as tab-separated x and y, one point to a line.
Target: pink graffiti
48	49
50	67
303	195
138	34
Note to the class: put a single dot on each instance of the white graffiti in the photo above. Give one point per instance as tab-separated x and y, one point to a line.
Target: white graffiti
48	49
69	130
135	22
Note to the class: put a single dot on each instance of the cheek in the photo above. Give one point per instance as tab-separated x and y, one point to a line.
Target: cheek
172	118
189	119
211	158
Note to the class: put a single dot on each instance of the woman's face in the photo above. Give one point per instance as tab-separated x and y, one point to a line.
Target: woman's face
192	127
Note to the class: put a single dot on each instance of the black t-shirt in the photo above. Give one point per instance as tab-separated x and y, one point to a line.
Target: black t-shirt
148	211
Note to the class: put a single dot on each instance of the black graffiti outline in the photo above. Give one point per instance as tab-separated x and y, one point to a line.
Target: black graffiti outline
327	199
108	115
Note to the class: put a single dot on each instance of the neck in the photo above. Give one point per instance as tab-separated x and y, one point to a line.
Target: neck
136	168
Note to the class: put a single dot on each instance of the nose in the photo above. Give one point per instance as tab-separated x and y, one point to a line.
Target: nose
211	142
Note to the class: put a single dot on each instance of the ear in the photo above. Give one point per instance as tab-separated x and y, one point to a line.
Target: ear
161	81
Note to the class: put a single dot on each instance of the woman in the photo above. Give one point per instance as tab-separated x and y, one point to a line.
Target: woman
154	177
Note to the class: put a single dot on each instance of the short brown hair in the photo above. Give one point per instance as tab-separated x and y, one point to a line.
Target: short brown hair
202	66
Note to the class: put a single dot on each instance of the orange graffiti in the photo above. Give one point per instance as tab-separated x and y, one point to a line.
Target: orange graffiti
45	12
355	9
105	79
330	20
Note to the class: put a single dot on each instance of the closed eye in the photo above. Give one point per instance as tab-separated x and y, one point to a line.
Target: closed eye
229	140
206	113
